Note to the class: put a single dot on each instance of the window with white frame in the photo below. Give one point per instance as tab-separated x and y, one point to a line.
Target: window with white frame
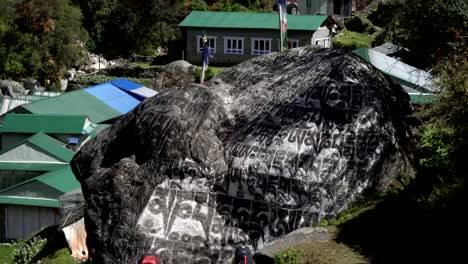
324	42
293	43
261	46
211	41
233	45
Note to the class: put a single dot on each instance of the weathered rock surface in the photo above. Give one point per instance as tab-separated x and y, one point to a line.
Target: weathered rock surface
11	88
176	74
269	146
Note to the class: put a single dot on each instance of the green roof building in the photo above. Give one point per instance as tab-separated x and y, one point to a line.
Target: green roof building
33	204
46	123
31	157
69	129
79	102
417	83
234	36
40	137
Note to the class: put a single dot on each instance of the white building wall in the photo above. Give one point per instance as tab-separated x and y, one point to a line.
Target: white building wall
322	37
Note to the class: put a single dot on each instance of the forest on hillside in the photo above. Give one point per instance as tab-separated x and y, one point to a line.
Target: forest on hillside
44	38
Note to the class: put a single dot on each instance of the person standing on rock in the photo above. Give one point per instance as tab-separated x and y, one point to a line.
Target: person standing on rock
206	58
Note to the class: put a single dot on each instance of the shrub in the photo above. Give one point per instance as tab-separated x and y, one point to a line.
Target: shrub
358	24
209	74
289	256
353	40
26	251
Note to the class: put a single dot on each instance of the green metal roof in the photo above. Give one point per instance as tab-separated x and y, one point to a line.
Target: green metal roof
401	72
62	180
52	146
98	129
74	103
31	97
30	166
46	143
423	98
207	19
31	201
47	123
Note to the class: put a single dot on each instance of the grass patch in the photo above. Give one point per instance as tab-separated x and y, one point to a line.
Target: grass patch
143	65
6	253
210	73
320	252
61	256
290	256
354	40
54	251
217	70
358	207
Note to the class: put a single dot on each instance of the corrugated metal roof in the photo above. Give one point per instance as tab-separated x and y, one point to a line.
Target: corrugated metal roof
78	102
63	180
134	89
52	146
423	98
9	104
28	166
31	97
30	201
143	92
100	103
403	73
46	93
207	19
46	143
46	123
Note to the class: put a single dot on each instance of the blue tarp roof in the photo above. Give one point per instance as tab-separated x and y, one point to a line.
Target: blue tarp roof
126	84
100	103
114	97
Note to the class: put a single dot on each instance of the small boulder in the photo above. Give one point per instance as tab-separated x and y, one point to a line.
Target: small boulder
177	74
11	88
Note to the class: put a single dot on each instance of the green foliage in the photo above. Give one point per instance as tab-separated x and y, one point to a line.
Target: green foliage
90	80
436	143
61	256
353	40
209	74
123	28
359	24
289	256
25	252
444	140
359	206
188	5
6	252
242	6
431	29
40	39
